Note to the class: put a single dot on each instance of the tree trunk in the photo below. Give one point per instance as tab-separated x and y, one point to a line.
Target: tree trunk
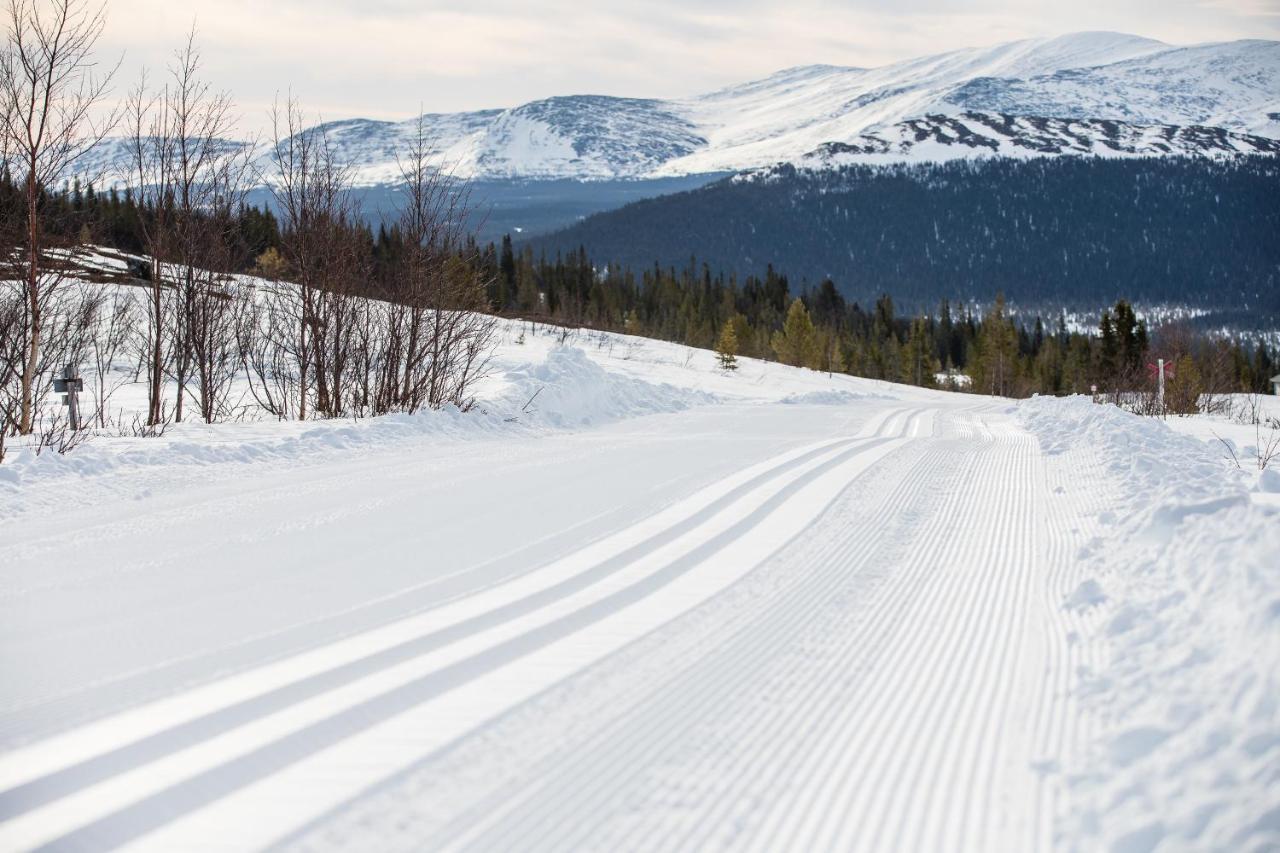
27	416
157	351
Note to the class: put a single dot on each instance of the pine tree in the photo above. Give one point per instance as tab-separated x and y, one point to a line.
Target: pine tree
1182	390
835	358
1108	357
727	348
918	365
631	324
507	278
796	343
997	352
527	293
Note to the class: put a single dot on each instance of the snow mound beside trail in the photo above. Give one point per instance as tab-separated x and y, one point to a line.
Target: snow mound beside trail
1188	581
569	390
1154	460
196	445
828	398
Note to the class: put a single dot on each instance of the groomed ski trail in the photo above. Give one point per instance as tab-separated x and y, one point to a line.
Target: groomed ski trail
879	702
296	738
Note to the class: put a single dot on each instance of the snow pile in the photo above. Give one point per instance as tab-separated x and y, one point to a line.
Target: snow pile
195	445
1188	582
566	391
569	390
838	397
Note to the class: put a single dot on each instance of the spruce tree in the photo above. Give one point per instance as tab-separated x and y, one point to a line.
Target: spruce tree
727	347
835	358
507	268
918	366
997	353
796	343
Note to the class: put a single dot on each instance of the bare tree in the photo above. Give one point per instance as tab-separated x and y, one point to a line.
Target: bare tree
318	215
112	325
50	90
267	337
209	182
439	334
151	162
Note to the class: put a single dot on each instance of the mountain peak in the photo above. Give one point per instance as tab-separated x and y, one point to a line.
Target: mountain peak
1080	77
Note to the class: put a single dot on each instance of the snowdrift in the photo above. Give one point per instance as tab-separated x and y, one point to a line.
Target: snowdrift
1187	579
567	390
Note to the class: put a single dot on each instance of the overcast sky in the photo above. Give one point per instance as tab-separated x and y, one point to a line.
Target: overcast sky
384	58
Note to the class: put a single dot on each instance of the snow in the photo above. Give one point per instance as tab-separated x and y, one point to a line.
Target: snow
632	599
786	117
1186	588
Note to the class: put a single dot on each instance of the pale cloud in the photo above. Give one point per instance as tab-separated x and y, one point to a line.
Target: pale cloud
384	58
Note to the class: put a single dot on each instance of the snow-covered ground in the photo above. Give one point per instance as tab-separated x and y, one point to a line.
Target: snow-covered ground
636	602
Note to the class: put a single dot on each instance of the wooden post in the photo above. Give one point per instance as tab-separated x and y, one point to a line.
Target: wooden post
70	385
1160	385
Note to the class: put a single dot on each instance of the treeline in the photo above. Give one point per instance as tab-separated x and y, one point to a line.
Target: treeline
1073	231
990	350
76	213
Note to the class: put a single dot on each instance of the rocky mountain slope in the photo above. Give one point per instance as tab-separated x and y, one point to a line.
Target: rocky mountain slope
1079	93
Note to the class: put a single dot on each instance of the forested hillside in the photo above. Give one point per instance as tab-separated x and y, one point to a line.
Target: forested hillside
1064	232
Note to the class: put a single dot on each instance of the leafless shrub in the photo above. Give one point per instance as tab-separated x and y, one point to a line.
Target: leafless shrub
111	328
1267	442
192	180
317	213
1217	378
140	426
54	432
438	333
269	337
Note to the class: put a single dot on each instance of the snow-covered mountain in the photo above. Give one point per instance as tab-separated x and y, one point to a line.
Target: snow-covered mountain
1107	87
945	137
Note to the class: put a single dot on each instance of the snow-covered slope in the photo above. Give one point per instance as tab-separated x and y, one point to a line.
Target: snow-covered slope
794	112
1082	76
944	137
661	605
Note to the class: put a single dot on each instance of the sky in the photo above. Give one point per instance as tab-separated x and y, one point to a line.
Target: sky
387	59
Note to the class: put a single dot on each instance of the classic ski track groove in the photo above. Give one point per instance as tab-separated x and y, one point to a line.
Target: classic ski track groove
972	674
56	793
700	691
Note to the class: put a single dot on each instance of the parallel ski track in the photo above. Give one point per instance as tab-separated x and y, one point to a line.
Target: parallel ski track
911	763
110	782
595	773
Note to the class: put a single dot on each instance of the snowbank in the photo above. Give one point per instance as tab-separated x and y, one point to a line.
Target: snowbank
569	390
1187	576
828	398
565	391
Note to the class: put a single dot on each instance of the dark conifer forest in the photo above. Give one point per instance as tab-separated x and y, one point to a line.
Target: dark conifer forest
969	333
1073	232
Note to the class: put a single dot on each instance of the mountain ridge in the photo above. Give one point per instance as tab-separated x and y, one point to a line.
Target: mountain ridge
789	115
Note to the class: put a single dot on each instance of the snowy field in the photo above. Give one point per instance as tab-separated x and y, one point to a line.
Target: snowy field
633	602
